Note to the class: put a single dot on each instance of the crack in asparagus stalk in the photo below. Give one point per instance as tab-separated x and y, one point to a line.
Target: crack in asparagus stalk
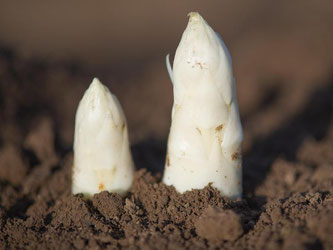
204	144
102	158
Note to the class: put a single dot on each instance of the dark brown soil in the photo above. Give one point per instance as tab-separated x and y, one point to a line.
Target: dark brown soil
288	177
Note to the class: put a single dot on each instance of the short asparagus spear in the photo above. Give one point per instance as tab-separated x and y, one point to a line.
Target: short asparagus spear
102	158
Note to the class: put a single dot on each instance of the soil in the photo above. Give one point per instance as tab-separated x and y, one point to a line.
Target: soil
288	177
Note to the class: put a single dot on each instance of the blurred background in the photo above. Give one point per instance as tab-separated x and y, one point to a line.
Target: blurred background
51	50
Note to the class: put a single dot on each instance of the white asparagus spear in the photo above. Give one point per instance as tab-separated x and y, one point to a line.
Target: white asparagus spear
102	158
204	144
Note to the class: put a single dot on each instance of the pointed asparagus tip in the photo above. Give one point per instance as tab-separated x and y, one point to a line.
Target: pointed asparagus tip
194	16
95	85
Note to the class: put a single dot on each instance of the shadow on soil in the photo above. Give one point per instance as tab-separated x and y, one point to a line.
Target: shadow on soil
312	121
150	154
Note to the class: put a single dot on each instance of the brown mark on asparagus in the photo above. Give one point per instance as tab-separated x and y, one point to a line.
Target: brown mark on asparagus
198	130
167	160
219	128
199	64
235	156
101	187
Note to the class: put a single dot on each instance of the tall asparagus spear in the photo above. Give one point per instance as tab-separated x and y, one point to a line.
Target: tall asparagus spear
204	144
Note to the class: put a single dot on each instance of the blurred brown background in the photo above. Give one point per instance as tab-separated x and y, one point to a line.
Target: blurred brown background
278	47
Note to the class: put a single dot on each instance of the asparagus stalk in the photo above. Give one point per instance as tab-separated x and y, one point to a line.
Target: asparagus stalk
204	144
102	158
